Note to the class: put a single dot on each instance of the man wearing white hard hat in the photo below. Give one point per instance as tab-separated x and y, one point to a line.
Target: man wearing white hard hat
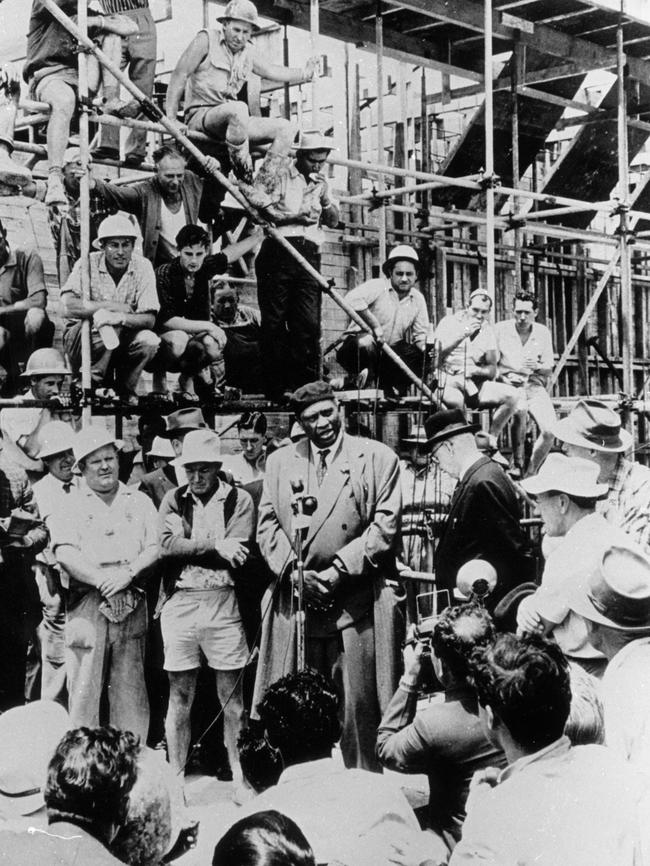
52	494
207	528
397	313
22	427
106	542
595	431
300	203
210	75
468	356
122	308
566	491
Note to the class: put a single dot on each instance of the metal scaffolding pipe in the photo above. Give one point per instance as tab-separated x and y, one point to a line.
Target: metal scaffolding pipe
379	43
84	207
314	26
271	231
489	155
627	301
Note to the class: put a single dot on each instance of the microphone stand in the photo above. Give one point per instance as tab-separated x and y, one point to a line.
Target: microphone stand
302	507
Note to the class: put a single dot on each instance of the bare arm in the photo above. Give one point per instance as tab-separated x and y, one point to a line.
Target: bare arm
486	370
240	248
287	74
37	299
189	62
75	308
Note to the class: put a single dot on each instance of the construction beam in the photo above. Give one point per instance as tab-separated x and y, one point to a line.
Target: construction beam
399	46
541	37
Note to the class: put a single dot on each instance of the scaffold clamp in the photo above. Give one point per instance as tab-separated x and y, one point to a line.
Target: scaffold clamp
488	181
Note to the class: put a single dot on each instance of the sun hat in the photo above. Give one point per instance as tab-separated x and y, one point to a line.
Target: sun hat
572	475
182	421
592	424
201	446
92	439
55	438
161	447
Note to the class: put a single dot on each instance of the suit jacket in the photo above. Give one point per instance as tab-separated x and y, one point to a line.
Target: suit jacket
357	520
155	484
483	523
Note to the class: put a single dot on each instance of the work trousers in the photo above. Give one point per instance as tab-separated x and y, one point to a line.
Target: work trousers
290	306
360	351
103	655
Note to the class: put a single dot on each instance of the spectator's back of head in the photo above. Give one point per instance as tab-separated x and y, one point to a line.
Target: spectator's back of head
459	631
586	724
263	839
300	716
525	684
91	775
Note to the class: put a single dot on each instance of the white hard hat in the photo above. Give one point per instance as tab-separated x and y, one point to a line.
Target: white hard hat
55	438
241	10
92	439
115	226
402	252
45	362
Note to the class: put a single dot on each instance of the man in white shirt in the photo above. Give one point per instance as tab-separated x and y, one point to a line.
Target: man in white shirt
525	351
250	463
52	495
615	603
468	358
397	313
566	491
554	803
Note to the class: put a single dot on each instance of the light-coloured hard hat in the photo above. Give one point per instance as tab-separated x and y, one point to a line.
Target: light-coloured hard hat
45	362
313	139
55	438
402	252
115	226
241	10
92	439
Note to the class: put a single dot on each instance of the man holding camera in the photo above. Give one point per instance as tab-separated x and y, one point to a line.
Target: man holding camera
348	550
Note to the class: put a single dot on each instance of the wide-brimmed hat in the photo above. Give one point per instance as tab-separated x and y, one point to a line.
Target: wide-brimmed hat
417	436
114	226
55	438
617	594
29	736
402	252
161	447
201	446
313	139
313	392
45	362
445	424
183	421
572	475
592	424
241	10
92	439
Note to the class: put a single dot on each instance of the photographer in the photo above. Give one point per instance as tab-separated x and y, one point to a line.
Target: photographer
445	740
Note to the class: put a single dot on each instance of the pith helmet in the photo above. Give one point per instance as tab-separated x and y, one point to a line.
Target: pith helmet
241	10
45	362
402	252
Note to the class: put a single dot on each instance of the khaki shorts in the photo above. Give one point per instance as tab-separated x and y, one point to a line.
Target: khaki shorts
203	621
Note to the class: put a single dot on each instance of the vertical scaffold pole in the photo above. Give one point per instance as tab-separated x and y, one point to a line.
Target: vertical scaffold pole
627	303
314	26
84	210
379	39
489	156
515	79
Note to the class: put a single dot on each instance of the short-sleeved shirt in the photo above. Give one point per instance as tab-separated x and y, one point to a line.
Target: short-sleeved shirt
467	351
106	535
187	298
513	354
220	75
401	318
15	424
21	277
136	287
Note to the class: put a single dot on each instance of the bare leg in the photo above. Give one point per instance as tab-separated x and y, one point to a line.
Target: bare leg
62	100
229	690
182	686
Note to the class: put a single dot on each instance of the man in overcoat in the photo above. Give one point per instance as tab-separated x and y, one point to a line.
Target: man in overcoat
352	621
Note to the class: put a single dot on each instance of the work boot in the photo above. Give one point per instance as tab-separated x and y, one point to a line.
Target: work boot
261	194
240	161
12	174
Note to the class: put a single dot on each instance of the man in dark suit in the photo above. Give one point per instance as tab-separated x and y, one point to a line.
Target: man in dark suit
483	519
348	551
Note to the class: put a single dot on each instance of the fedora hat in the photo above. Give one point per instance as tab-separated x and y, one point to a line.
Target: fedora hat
29	736
402	252
183	421
445	424
617	593
573	475
201	446
313	139
92	439
417	435
592	424
55	438
114	226
161	447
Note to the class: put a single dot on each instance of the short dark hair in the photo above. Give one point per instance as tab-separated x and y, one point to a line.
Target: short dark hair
91	775
263	839
190	235
459	631
528	297
525	680
255	421
300	716
167	150
261	763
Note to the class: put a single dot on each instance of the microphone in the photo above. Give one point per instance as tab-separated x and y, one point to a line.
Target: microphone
302	506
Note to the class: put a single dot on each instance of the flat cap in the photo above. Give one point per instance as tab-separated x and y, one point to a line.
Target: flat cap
313	392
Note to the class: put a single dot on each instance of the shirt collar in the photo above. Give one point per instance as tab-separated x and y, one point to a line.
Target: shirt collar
554	750
122	490
218	495
11	261
333	449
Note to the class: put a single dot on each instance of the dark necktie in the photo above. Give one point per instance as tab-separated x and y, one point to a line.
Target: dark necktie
321	470
67	486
